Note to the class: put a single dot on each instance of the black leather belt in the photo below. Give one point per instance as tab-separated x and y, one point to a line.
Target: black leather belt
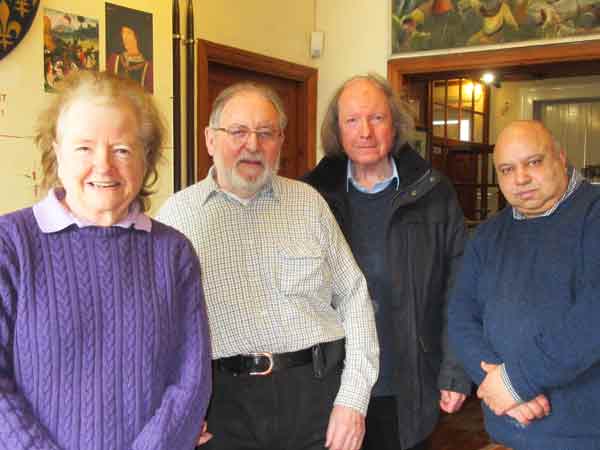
264	363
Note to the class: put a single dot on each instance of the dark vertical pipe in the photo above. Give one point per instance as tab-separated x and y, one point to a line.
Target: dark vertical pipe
176	98
190	97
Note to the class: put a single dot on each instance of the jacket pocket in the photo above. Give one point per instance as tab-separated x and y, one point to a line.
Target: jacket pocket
432	354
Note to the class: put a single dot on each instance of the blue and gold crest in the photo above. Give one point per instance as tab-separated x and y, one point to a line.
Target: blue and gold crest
16	16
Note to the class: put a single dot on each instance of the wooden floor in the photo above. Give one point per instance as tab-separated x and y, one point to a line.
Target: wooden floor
463	430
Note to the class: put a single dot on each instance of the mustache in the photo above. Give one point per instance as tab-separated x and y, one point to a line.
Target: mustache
247	157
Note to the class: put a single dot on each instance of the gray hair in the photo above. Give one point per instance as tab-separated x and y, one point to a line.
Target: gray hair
246	86
401	117
103	88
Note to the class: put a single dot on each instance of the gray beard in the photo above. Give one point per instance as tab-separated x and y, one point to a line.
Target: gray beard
250	187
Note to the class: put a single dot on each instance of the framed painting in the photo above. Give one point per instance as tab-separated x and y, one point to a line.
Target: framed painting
129	44
436	26
70	44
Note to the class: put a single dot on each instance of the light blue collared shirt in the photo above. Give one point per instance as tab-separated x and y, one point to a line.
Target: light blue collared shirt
379	186
51	215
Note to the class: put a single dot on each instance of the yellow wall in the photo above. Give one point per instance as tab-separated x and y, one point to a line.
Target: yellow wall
278	28
355	31
356	34
356	42
22	81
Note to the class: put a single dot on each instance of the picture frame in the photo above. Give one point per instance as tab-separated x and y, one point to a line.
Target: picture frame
434	27
130	44
71	43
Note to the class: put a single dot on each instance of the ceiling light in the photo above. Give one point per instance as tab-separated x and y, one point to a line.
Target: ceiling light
488	77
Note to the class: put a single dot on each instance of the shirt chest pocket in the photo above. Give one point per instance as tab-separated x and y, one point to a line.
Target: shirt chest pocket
300	269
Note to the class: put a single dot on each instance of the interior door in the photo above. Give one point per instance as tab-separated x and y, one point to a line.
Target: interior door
220	77
469	167
221	66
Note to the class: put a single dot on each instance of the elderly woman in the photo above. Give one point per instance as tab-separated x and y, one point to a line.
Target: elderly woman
405	227
103	329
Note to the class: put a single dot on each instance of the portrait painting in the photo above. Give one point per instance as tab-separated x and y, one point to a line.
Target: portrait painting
129	46
70	44
418	25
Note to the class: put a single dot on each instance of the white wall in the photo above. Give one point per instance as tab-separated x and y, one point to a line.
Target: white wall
514	100
577	133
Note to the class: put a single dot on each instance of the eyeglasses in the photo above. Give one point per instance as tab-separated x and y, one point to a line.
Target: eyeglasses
240	135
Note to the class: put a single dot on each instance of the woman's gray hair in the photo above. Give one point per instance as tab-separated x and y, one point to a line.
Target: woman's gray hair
401	117
246	86
108	89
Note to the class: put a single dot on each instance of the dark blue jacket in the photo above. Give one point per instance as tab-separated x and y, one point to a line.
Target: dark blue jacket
528	295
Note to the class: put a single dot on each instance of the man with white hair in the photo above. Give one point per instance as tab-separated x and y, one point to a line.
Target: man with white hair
294	344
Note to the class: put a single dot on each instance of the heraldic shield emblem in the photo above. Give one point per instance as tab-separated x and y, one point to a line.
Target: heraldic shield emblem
16	16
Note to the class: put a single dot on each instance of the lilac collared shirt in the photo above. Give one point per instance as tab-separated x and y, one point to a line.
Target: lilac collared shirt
51	215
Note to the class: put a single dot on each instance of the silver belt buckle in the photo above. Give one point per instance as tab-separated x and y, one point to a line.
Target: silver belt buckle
267	355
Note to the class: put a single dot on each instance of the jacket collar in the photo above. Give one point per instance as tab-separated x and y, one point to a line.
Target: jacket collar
379	186
331	173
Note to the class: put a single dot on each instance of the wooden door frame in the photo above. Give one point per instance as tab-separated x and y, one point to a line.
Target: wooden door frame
583	54
307	77
583	58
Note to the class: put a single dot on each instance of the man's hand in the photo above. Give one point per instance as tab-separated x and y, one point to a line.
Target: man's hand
205	436
451	401
493	392
527	412
346	429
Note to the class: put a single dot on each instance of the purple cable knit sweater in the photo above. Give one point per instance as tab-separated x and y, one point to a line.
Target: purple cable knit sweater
103	338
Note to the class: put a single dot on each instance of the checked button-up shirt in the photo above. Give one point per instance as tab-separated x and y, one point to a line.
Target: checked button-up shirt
278	276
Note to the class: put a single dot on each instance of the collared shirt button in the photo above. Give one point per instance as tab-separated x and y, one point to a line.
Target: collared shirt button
413	193
432	179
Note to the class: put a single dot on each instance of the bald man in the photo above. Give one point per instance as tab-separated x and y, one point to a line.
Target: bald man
523	317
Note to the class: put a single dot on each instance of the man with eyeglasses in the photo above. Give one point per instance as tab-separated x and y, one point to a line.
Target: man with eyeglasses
294	344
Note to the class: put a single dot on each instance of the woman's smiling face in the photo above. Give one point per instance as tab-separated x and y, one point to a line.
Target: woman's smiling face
100	160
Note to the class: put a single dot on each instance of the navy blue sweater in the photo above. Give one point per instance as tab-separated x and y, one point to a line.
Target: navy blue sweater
528	295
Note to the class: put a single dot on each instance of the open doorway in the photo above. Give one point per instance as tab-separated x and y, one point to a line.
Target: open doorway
453	117
527	76
524	76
